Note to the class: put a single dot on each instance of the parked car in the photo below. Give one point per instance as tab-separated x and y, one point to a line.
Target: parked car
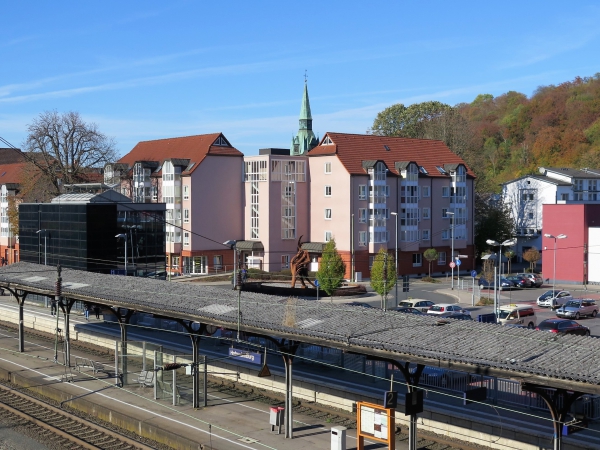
519	281
535	278
361	304
563	326
446	308
408	310
421	305
517	315
576	308
504	284
553	299
458	316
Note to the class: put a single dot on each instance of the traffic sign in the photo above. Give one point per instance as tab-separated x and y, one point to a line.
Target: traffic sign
473	273
458	263
316	282
452	265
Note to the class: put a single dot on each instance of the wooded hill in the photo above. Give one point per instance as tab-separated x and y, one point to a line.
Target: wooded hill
508	136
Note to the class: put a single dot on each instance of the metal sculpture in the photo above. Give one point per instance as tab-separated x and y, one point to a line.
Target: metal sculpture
299	266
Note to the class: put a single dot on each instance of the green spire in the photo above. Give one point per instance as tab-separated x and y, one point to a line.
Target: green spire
305	140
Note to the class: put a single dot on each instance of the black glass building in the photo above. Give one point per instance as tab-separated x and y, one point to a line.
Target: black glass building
80	231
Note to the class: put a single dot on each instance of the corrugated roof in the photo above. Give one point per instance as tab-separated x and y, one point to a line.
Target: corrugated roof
194	148
249	246
314	247
108	196
352	149
574	173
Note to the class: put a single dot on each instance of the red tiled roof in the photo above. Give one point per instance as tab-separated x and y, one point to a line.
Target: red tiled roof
194	148
10	156
353	149
12	173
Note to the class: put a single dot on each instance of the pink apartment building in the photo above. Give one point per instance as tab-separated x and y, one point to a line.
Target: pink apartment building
200	180
358	181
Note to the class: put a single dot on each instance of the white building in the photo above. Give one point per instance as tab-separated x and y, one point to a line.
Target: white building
554	185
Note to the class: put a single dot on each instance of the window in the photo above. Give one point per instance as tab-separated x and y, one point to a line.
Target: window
285	261
186	192
328	168
362	238
362	192
564	196
327	191
217	262
175	262
446	191
425	235
425	191
362	215
371	261
328	236
445	213
186	239
186	216
445	235
426	214
441	258
530	215
327	214
416	258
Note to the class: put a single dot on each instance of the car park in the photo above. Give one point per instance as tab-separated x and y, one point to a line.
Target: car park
520	282
578	307
535	278
446	308
563	326
504	284
421	305
554	298
517	315
407	310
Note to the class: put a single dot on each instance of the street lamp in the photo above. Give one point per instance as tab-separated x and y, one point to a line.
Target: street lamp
396	262
232	244
560	236
451	214
45	247
506	243
124	236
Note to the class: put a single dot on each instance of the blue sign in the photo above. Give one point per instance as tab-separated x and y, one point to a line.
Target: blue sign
254	358
458	263
317	283
473	273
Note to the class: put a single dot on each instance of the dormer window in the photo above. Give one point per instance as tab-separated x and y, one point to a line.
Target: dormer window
441	170
327	141
221	142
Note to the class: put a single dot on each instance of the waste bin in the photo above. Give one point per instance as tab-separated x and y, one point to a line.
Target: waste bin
338	438
276	417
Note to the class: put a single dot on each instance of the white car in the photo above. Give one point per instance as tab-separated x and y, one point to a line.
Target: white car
446	309
554	299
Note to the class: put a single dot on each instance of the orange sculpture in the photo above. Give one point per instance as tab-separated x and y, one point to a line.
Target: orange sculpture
299	266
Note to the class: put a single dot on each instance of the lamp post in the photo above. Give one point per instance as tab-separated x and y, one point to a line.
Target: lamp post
551	236
232	243
506	243
451	214
45	247
124	236
396	261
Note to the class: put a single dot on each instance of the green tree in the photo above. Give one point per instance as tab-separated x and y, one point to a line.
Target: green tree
493	220
383	274
430	255
399	120
331	269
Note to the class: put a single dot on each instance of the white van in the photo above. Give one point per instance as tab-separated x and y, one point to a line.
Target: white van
523	315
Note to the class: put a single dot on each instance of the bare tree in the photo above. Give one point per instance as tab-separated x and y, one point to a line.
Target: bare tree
63	147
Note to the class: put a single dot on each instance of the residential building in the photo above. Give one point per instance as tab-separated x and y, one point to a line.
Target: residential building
12	164
200	179
276	212
79	231
526	196
577	256
357	181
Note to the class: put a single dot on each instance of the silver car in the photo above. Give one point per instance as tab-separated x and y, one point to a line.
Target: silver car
576	308
554	299
536	279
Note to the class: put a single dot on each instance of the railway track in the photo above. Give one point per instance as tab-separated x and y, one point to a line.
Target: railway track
60	428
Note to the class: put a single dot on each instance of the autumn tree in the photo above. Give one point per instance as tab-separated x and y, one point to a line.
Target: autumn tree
532	256
430	255
402	121
331	268
383	275
63	148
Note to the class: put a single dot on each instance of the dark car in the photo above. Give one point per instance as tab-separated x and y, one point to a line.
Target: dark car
563	326
504	284
361	304
535	278
457	315
520	282
408	310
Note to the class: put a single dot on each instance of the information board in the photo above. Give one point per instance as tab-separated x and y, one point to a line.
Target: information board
376	423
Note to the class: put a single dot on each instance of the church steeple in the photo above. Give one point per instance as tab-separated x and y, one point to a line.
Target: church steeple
305	140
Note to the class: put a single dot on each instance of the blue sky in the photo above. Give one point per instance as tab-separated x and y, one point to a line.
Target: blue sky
151	70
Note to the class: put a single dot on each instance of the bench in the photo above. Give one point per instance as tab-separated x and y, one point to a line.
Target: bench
85	363
146	378
167	388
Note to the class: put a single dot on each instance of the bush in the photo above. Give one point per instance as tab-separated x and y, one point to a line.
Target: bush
430	280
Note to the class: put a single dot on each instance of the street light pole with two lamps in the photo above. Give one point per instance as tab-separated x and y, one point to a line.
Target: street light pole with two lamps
45	247
551	236
124	236
497	282
451	214
396	262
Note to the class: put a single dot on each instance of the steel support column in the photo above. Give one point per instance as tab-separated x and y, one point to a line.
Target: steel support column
287	352
123	316
20	296
66	305
558	412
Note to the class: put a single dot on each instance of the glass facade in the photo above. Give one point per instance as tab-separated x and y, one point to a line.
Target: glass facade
82	236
